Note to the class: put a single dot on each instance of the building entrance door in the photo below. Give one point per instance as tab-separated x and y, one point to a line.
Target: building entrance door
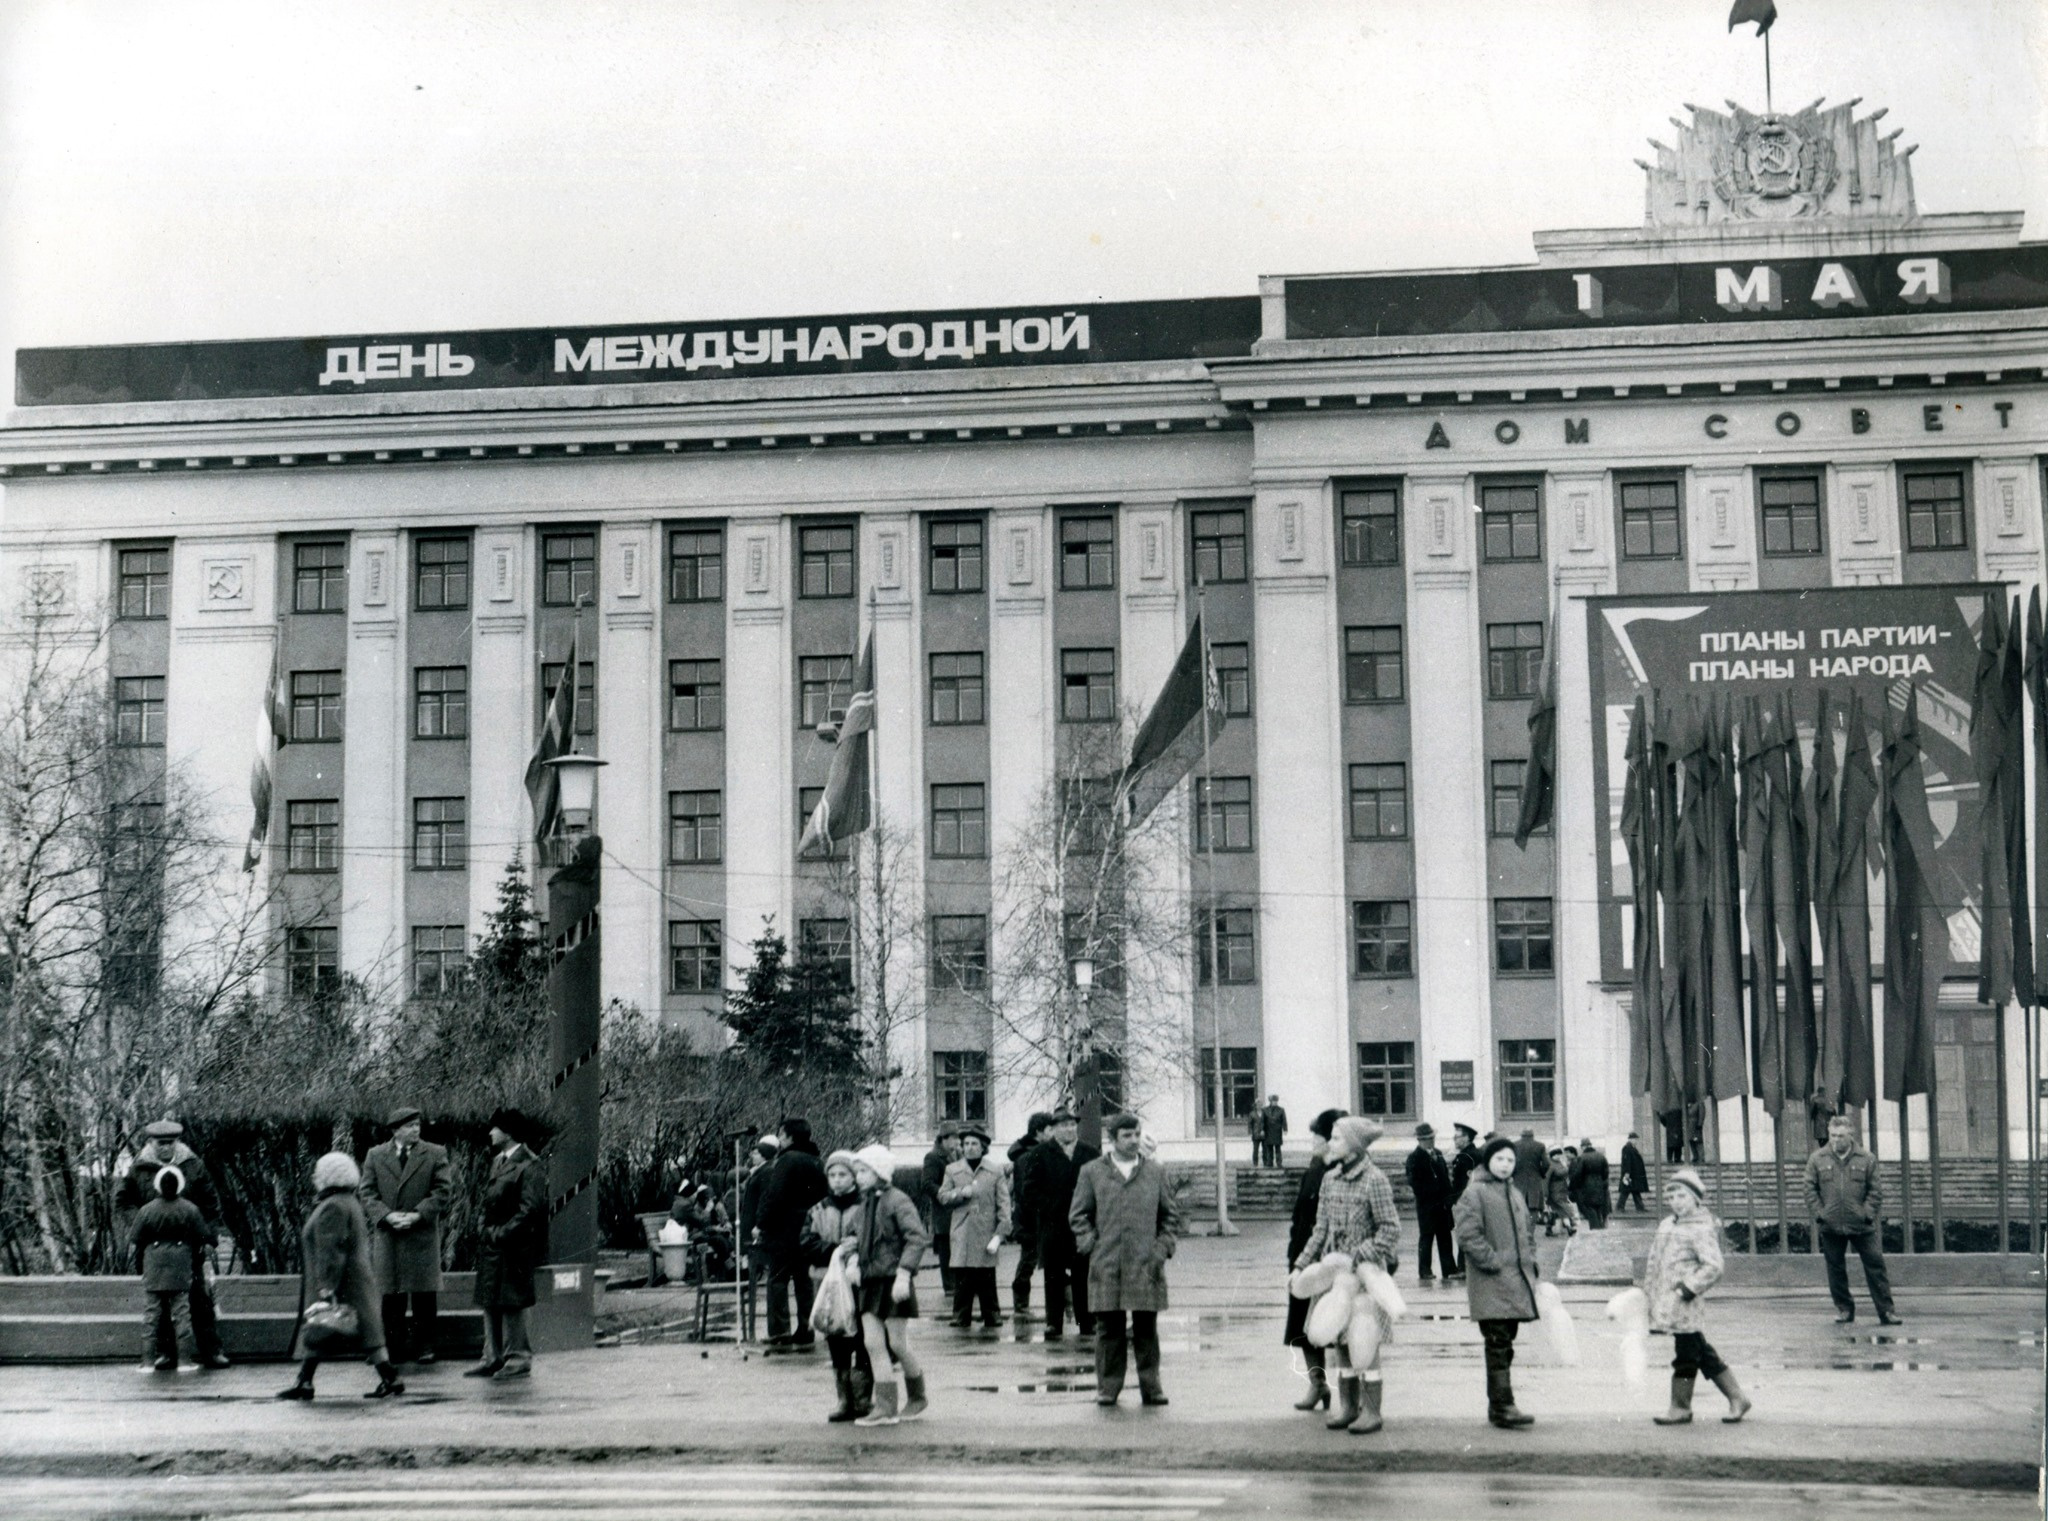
1966	1081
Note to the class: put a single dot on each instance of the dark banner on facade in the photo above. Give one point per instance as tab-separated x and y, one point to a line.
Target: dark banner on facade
1627	295
1883	642
1104	333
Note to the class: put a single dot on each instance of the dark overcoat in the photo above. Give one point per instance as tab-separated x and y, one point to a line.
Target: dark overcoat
334	1250
515	1230
407	1261
1491	1223
796	1181
1592	1190
1053	1175
1532	1168
1128	1227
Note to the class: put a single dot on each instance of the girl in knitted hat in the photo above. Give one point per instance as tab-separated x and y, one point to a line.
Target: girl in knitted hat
1685	1261
889	1240
1355	1216
827	1244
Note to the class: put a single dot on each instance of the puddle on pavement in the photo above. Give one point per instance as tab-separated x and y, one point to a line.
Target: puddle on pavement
1046	1386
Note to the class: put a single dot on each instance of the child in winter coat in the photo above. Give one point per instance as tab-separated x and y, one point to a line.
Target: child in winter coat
1558	1208
168	1235
827	1244
1685	1261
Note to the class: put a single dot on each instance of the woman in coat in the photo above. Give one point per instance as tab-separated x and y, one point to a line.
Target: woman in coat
889	1240
335	1270
826	1242
1124	1221
514	1239
1685	1261
1297	1237
1355	1216
1491	1222
979	1206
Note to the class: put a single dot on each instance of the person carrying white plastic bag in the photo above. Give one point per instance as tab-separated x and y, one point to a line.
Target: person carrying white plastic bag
1685	1261
1354	1218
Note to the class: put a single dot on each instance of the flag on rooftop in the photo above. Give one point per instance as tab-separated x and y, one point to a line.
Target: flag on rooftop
1762	12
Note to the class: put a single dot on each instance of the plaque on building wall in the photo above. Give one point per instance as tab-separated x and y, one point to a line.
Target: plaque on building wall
1456	1082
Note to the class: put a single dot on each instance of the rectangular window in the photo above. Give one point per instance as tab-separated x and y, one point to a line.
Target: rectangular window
1511	528
1514	659
320	578
1087	553
1088	814
316	707
1649	521
440	578
440	833
1504	801
1109	1079
138	838
440	702
1372	526
1240	1083
1218	542
1233	663
1223	813
438	952
1087	686
956	555
807	800
825	562
1379	802
312	832
1382	939
696	565
586	692
312	961
693	956
824	687
696	828
1232	936
959	821
696	695
1386	1079
959	951
145	576
829	941
1372	664
1791	509
568	564
1935	513
1528	1078
1521	934
960	1086
138	710
957	689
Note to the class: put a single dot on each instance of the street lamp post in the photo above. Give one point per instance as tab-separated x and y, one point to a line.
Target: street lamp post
575	1009
1087	1088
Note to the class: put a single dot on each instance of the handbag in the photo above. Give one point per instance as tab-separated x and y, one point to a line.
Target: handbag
328	1324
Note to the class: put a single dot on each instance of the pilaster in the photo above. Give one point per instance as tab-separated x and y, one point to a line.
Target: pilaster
631	807
760	786
503	713
2008	519
374	815
1863	525
1720	530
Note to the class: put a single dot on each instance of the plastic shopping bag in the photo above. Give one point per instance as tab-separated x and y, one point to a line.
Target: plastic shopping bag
1557	1324
1631	1309
1330	1315
1379	1283
833	1311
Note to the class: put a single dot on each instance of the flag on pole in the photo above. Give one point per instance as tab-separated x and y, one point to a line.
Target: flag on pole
1915	933
843	808
1850	954
1170	740
1790	901
1762	12
1728	1071
1758	750
557	734
1995	798
273	727
1823	793
1539	776
2037	695
1646	956
2018	863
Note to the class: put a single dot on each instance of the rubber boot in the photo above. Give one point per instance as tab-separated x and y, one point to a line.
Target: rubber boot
1347	1402
1318	1397
1368	1408
884	1411
914	1403
1500	1402
1680	1413
1738	1402
863	1392
843	1383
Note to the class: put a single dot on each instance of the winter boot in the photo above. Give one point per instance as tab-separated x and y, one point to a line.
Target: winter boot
1738	1402
914	1402
1500	1402
1318	1383
843	1382
863	1392
1347	1402
1369	1406
1680	1413
884	1411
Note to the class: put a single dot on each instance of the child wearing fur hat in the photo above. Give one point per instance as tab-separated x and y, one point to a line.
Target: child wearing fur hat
1355	1215
168	1235
1685	1262
889	1240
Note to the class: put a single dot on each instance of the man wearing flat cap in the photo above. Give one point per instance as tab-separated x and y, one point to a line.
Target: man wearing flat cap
1055	1168
1429	1180
407	1184
163	1146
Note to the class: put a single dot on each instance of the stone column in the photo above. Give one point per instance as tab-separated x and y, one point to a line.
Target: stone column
631	808
503	715
376	819
760	790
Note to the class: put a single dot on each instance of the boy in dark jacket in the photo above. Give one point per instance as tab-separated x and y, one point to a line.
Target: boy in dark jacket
168	1235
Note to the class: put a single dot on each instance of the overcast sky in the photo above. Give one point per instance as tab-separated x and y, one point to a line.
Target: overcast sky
172	171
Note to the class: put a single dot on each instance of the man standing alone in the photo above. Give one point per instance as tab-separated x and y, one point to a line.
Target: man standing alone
1123	1218
1466	1161
1842	1196
407	1184
1269	1128
1429	1180
1635	1176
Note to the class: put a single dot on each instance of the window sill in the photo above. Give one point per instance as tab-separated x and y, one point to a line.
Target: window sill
1524	976
436	739
1382	976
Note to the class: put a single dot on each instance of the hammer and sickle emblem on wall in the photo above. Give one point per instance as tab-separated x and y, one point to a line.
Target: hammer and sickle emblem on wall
223	583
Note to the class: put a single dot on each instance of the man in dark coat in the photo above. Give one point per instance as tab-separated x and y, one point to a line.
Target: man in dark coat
1592	1184
1020	1182
1269	1129
514	1239
407	1184
939	1222
1429	1180
1465	1162
1532	1167
1635	1177
163	1147
1056	1165
796	1181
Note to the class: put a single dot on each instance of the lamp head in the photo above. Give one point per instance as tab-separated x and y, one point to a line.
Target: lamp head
576	788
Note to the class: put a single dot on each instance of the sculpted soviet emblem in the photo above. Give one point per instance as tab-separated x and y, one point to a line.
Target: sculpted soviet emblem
1772	167
224	581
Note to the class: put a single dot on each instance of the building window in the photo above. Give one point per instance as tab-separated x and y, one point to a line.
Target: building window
1109	1079
956	555
1791	508
807	800
440	702
586	692
1218	542
1372	526
694	947
1379	802
1935	515
316	707
1087	553
312	961
696	565
145	576
1528	1078
1382	939
1521	934
830	942
133	965
138	839
960	951
1649	521
440	833
1511	528
1386	1079
438	952
319	578
1233	663
1232	937
957	689
960	1086
696	695
1372	664
1504	801
696	828
1240	1083
1088	814
824	687
568	569
1223	813
1087	685
1514	659
138	710
312	833
826	562
440	574
959	821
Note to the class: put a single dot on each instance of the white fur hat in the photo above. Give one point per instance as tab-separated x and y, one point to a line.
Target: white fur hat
877	1159
336	1170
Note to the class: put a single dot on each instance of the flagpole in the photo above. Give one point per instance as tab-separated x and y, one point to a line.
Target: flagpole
874	805
1767	70
1224	1227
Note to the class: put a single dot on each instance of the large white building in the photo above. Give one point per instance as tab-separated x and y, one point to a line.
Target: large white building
1786	377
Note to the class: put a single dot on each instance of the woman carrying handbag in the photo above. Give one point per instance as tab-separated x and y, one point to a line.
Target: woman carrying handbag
339	1308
